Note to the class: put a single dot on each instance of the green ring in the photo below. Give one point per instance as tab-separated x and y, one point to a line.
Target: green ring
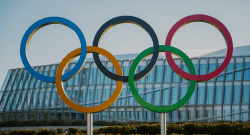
145	104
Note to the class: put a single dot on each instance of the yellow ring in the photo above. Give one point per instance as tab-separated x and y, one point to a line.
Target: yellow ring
65	63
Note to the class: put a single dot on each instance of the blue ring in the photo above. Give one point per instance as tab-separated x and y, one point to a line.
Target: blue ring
36	26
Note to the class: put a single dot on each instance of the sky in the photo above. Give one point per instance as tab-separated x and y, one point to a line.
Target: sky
52	43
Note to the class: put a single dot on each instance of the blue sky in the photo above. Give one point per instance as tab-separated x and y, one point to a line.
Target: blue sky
51	43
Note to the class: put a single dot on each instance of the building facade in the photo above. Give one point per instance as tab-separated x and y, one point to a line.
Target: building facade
225	97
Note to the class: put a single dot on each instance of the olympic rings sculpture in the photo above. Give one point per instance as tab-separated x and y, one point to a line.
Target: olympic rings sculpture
119	76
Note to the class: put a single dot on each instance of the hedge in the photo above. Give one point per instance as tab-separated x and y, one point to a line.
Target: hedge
61	122
226	128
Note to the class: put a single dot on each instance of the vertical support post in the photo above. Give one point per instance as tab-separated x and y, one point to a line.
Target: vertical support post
90	123
163	124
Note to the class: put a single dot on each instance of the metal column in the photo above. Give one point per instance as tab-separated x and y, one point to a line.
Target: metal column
163	124
90	123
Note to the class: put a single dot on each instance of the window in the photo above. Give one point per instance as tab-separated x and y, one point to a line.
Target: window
245	94
139	69
174	92
106	94
203	69
149	77
148	97
99	76
229	72
185	69
227	94
183	92
92	75
84	79
156	98
176	77
47	99
192	99
220	77
90	95
158	73
238	72
218	95
106	79
165	96
247	71
98	93
236	94
200	99
211	68
167	73
130	101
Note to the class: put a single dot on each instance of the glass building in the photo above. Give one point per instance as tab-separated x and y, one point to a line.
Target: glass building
225	97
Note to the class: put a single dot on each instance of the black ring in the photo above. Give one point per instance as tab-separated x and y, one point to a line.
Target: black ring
126	19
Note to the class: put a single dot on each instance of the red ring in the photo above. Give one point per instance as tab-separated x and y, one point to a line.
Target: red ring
220	27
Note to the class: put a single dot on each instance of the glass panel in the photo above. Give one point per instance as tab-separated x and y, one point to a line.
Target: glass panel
130	101
229	76
218	94
121	101
53	99
236	94
147	97
245	94
125	70
158	73
106	94
201	91
211	68
16	81
185	69
92	75
99	76
165	96
40	99
139	90
21	100
51	74
32	82
227	94
106	79
238	73
123	92
136	103
209	98
203	69
46	74
176	78
22	82
139	69
167	73
156	98
220	77
76	79
149	77
70	81
75	96
98	93
90	95
192	99
27	81
174	92
148	89
247	71
183	92
34	100
84	79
